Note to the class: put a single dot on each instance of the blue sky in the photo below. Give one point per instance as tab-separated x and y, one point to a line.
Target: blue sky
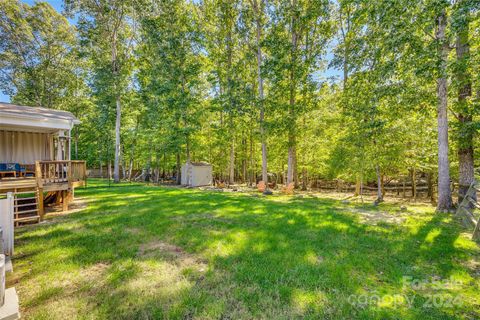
58	5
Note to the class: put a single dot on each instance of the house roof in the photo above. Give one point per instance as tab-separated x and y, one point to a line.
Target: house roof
18	117
36	111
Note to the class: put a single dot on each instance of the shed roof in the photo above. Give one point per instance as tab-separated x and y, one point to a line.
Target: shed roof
200	164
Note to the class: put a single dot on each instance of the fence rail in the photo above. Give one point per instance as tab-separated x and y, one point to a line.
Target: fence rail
467	210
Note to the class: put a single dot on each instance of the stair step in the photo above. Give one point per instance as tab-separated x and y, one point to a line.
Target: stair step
24	219
23	211
25	204
24	192
30	198
26	211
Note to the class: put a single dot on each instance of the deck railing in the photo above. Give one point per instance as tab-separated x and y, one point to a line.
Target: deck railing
60	171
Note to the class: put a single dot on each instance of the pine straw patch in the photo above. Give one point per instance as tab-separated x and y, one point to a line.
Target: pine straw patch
376	217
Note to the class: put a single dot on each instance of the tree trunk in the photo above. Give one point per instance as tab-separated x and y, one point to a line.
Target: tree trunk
232	163
414	183
382	180
465	136
357	186
124	168
361	186
304	179
116	167
260	91
230	71
379	185
245	158
253	178
444	192
187	148
291	171
132	150
118	105
179	171
291	160
130	169
164	166
431	190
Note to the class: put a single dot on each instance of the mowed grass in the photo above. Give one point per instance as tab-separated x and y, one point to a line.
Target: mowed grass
147	252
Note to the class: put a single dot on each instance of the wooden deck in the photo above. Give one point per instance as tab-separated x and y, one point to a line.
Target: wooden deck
49	176
52	178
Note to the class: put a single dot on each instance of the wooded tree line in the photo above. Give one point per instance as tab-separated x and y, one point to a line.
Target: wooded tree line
247	85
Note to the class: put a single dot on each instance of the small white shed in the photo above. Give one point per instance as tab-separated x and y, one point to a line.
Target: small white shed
195	174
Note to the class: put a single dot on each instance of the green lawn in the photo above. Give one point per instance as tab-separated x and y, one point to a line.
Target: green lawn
145	252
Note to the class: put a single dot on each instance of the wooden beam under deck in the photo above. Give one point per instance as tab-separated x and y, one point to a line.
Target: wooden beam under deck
55	187
12	185
19	184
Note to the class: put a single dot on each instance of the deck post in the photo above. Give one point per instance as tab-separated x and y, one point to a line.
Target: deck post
64	200
38	174
69	175
41	211
38	177
58	197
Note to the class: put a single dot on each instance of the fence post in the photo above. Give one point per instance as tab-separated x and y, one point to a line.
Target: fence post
41	210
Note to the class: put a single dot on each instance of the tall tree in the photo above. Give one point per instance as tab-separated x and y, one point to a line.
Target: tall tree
107	26
443	47
465	110
258	7
350	20
172	36
296	26
222	42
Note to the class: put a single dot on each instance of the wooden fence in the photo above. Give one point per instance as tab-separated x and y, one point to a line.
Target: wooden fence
467	210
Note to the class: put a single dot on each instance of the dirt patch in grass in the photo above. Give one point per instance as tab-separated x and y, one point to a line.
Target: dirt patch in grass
77	205
171	253
155	246
96	270
134	231
376	217
474	267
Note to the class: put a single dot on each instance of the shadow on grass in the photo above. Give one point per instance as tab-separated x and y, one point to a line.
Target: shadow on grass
264	257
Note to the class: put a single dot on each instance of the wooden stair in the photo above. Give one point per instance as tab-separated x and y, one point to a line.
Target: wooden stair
26	209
